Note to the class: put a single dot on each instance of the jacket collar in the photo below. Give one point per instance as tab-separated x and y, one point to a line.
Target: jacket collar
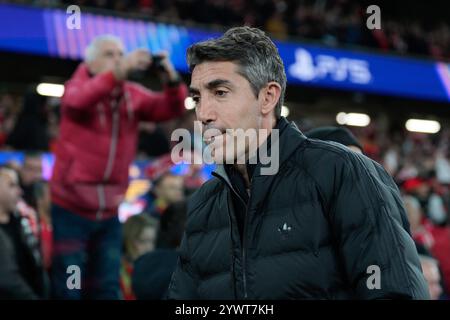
82	73
289	139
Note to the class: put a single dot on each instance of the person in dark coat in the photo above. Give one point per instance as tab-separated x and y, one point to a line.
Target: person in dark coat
317	221
22	274
30	131
153	270
337	134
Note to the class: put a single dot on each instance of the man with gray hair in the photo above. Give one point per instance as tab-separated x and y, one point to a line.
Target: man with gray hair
326	225
430	267
100	113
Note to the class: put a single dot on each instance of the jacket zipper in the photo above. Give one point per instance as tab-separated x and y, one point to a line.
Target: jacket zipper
229	205
129	108
114	137
244	235
244	269
112	153
244	255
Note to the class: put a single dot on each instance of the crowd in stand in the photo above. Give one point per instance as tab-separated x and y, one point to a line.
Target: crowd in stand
331	22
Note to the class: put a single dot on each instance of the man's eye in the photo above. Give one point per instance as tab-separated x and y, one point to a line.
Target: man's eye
196	99
221	93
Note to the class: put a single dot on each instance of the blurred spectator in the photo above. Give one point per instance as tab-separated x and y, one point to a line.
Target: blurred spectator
431	272
337	134
442	167
431	203
171	227
36	198
100	113
419	230
53	117
21	269
440	250
45	224
31	177
139	238
8	111
434	239
153	271
30	130
152	141
167	189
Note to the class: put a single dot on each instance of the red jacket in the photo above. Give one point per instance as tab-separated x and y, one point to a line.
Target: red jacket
98	137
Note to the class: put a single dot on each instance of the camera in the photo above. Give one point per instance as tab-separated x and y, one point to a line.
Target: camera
155	67
156	63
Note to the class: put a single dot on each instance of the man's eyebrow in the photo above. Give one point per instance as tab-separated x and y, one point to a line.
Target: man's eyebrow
217	82
211	85
193	90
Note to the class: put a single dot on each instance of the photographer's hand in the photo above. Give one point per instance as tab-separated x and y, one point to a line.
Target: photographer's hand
136	60
169	74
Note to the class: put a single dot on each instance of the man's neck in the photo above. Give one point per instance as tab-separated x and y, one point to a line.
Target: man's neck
268	125
242	169
4	216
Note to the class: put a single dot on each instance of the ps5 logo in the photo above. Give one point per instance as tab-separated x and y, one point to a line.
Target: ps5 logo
310	68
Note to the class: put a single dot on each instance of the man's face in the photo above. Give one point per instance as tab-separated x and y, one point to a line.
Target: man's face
31	171
108	57
431	273
171	189
224	100
414	216
146	241
10	191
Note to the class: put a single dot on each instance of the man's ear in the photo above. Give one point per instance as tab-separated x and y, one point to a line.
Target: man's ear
270	95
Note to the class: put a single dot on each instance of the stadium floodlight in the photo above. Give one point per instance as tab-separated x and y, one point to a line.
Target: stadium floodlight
353	119
423	126
189	103
284	111
50	89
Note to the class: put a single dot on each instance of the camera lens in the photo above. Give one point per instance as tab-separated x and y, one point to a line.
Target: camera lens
157	62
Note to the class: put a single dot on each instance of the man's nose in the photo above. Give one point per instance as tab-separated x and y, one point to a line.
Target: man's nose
117	57
205	112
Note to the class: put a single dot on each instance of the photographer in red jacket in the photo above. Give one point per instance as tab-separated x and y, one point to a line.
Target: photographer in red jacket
100	112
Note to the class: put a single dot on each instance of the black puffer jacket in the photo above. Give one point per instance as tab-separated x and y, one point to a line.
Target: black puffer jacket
312	231
21	278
